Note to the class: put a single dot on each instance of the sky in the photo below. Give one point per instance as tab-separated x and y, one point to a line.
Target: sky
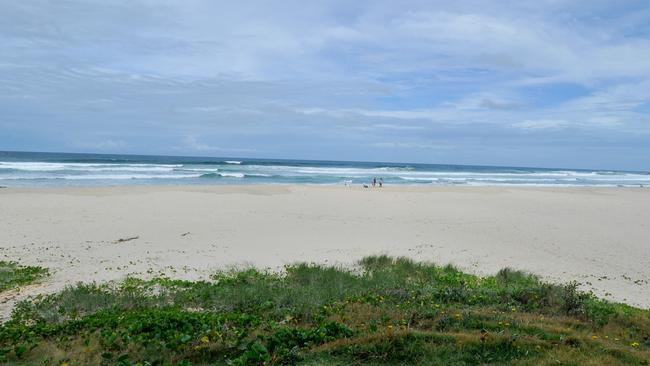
547	83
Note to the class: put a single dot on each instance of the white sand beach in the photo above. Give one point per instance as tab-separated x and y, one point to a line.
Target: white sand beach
597	236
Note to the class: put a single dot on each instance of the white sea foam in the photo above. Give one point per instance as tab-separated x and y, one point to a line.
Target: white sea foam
29	166
232	175
305	173
50	167
102	176
192	169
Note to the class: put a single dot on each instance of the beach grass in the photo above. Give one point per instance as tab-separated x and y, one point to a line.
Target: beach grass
14	275
385	311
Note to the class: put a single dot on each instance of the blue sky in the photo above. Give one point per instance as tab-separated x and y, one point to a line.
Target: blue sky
532	83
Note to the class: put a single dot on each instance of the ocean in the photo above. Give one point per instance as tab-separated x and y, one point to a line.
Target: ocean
35	169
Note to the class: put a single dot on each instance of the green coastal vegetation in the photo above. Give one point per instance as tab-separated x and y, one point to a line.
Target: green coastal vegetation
385	311
13	275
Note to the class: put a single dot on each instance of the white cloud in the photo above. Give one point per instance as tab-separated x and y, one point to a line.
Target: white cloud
412	145
399	127
542	124
108	145
114	145
193	144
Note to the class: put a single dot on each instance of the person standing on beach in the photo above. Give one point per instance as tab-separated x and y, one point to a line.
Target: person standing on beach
381	182
374	181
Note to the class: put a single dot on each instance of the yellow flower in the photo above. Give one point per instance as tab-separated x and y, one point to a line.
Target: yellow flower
634	344
507	324
205	339
594	337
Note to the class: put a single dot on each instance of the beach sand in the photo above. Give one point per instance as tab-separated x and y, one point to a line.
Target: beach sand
597	236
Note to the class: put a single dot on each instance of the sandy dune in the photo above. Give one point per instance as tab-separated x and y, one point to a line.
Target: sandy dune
600	237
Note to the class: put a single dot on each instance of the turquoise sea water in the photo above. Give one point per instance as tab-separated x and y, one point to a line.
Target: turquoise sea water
61	169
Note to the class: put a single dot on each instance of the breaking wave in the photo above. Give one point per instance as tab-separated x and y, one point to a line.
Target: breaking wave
55	169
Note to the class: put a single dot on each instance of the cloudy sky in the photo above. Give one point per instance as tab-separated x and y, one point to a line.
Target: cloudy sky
529	83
